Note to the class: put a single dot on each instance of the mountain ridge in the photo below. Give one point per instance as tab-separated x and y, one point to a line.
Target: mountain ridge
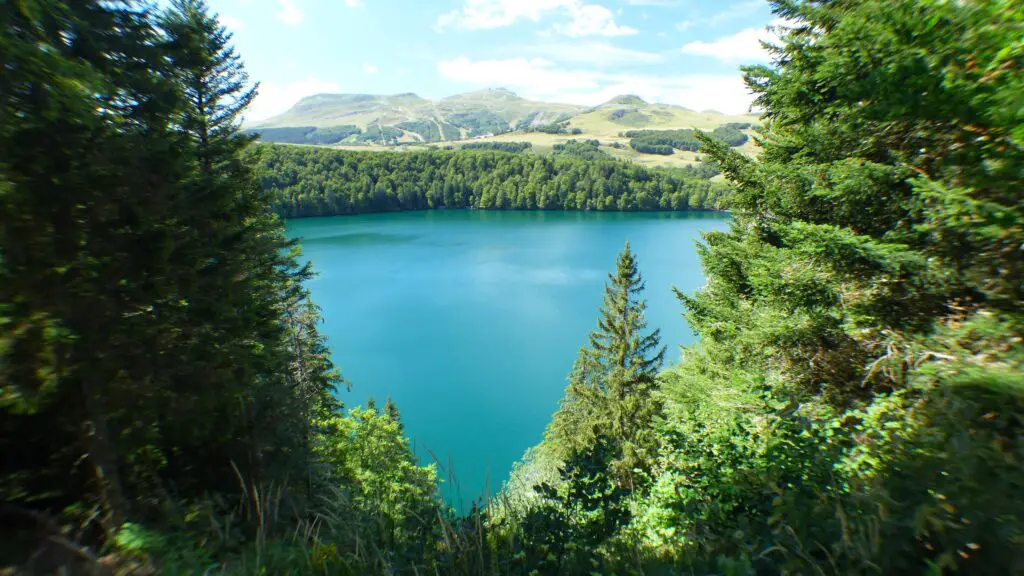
407	118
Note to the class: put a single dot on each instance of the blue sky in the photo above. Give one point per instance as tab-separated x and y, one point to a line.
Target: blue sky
684	52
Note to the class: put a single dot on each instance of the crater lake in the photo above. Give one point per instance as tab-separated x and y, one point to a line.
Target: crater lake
470	320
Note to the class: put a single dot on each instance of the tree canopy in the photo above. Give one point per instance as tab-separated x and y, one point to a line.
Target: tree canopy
854	405
308	181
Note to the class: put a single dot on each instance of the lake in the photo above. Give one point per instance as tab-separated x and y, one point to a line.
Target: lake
471	320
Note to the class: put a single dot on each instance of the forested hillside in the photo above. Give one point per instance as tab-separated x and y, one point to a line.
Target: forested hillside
306	181
855	404
667	141
166	401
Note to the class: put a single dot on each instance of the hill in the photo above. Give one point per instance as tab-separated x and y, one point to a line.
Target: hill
408	118
382	122
612	121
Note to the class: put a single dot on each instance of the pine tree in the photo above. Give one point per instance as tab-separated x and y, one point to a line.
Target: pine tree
154	333
610	389
85	124
868	296
245	277
313	375
391	410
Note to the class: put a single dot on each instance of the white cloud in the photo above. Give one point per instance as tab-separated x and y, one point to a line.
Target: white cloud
274	99
736	12
654	2
487	14
541	79
584	19
592	52
741	47
592	20
231	23
519	72
289	14
369	68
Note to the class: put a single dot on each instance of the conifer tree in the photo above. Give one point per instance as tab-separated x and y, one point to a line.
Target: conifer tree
246	274
610	388
313	375
870	289
391	410
85	124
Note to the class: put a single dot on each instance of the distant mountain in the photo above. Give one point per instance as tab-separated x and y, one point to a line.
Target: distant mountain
389	119
630	112
626	100
408	118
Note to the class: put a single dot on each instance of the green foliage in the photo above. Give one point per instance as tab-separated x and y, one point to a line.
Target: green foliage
331	135
161	339
705	170
430	130
524	123
317	182
560	127
610	391
568	531
500	146
647	148
585	149
881	438
378	134
855	405
146	350
667	141
478	123
366	453
731	133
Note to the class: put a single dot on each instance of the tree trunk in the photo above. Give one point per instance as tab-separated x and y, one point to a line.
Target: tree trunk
102	457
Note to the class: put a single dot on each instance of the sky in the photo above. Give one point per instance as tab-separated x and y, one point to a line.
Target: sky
684	52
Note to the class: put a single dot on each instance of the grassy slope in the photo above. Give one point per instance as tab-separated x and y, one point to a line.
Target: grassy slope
663	117
363	110
596	123
323	110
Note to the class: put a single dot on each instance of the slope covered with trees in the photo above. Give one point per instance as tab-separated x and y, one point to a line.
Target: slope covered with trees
855	405
502	146
319	182
667	141
163	386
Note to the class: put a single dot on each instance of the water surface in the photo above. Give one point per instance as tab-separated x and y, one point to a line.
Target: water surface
470	320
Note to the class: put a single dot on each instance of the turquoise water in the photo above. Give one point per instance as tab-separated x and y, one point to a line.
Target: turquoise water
471	320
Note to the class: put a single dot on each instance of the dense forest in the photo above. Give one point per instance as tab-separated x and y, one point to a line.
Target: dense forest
666	142
305	181
855	404
590	150
502	146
